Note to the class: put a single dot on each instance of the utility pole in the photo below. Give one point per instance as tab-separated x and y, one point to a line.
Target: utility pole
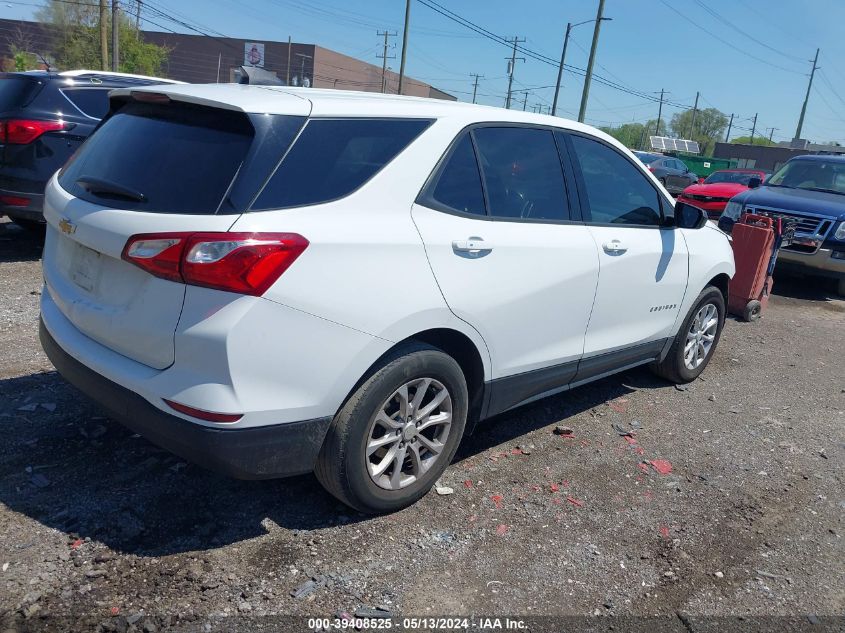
560	68
694	112
302	70
287	77
511	66
474	84
138	18
754	127
807	97
219	62
659	113
589	76
730	125
115	35
405	47
385	57
525	100
772	132
104	34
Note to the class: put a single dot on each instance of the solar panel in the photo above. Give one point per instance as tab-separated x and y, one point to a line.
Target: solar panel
665	143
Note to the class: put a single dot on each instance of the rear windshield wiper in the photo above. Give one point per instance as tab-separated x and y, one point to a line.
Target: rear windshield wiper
101	186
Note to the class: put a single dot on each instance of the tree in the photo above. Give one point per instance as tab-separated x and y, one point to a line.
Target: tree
635	135
758	140
629	134
709	127
77	41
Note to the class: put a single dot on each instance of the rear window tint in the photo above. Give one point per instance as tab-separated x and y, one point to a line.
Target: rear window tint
459	184
93	102
16	92
182	159
334	157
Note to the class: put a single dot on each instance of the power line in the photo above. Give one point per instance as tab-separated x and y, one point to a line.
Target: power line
438	8
745	34
726	42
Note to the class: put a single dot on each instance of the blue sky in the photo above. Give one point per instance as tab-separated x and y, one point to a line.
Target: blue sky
755	57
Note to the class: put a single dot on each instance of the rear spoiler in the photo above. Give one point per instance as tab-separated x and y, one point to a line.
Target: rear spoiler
257	77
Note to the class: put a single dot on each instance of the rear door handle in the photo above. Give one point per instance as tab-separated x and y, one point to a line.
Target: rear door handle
472	245
614	247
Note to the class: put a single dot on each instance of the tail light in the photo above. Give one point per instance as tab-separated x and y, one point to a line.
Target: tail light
14	201
24	131
245	263
650	168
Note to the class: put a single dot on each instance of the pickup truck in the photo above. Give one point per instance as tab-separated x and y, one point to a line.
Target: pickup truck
810	190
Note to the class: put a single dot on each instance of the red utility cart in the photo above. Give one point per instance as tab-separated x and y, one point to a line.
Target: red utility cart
756	240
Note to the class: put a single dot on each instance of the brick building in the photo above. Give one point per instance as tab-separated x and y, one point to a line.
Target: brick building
206	59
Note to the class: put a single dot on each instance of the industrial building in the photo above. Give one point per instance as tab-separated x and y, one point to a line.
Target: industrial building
206	59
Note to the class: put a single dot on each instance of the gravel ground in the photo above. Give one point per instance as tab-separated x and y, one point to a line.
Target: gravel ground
727	500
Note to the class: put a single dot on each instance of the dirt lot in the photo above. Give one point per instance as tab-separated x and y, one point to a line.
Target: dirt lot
740	514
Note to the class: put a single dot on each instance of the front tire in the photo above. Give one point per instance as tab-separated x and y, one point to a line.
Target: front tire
696	341
397	432
840	287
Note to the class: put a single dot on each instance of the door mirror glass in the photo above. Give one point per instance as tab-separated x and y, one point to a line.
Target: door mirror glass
754	182
689	217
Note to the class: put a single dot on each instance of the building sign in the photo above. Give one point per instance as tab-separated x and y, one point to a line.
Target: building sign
253	54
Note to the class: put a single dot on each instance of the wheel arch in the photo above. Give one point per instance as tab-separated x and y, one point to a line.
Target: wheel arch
460	346
722	282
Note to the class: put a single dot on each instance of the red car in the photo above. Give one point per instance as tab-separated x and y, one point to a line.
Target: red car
713	194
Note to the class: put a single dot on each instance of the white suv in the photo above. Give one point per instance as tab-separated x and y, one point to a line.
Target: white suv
270	281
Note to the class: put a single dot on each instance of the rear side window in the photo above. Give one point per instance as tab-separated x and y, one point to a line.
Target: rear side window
334	157
161	159
92	102
16	92
522	173
459	184
617	192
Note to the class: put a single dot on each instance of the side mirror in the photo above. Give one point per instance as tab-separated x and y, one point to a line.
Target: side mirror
754	182
701	180
689	217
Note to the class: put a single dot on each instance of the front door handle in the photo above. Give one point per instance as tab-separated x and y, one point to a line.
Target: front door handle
472	245
614	247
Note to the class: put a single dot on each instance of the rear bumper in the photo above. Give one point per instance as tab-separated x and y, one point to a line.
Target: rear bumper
821	263
33	211
261	452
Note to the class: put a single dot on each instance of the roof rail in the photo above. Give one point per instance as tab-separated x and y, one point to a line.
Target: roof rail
106	73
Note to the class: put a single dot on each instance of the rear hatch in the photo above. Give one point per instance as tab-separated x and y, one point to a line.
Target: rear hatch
155	165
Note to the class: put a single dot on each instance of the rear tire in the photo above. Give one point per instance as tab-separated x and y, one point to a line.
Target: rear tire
417	444
840	287
694	336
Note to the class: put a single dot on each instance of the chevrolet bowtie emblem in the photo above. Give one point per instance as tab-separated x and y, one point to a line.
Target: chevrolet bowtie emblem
67	227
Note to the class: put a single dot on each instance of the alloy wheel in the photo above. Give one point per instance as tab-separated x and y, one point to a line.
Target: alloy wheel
409	433
701	336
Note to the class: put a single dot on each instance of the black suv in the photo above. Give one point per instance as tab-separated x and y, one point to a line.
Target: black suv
44	117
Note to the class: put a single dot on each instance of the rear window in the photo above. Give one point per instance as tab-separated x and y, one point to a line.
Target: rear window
334	157
16	92
161	159
647	158
93	102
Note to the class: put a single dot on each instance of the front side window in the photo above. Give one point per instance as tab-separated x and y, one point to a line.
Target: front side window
522	173
459	184
617	192
334	157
